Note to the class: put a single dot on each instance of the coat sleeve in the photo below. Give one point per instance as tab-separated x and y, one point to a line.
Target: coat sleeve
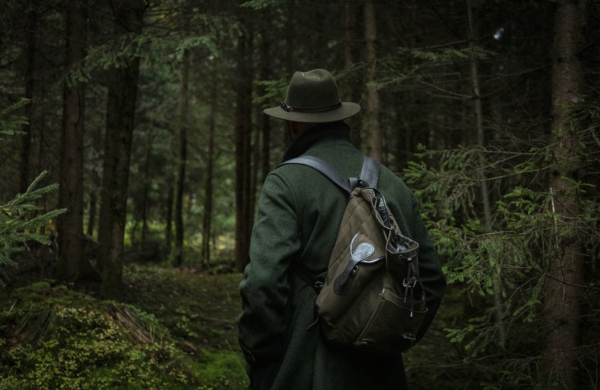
265	289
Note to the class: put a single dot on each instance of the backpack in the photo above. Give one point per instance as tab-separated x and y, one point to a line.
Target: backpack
372	297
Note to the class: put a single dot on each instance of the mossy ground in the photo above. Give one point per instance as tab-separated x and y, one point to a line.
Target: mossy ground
173	329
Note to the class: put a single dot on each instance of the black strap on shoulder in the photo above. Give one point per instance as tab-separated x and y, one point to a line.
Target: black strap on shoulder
369	174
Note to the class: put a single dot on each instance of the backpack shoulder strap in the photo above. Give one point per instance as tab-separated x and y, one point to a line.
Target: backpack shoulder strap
368	176
325	168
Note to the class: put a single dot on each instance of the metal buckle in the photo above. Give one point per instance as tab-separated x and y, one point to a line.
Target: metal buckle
409	282
409	336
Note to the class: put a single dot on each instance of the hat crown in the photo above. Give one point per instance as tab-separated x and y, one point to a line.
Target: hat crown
313	89
313	97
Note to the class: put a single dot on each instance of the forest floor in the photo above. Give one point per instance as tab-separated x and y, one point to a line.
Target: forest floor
195	310
198	307
172	328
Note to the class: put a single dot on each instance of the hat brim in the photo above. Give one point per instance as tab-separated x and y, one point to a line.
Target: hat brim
345	111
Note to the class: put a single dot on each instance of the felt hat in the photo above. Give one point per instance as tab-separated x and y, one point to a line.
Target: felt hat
313	97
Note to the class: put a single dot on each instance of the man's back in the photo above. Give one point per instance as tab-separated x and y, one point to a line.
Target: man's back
299	215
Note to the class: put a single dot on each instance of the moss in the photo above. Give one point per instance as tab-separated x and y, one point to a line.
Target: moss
220	370
56	338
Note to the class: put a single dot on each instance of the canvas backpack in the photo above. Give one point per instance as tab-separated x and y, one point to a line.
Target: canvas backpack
372	297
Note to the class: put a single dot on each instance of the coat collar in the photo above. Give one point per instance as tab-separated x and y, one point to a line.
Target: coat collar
314	135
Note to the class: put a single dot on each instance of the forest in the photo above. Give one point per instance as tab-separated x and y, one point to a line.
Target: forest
133	148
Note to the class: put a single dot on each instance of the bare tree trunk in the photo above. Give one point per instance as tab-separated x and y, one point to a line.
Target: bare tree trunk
144	206
32	21
242	152
265	59
72	263
122	94
182	125
96	183
347	90
290	44
169	216
372	98
485	198
565	274
208	196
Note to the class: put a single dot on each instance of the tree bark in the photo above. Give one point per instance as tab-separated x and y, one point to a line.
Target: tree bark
265	71
565	273
182	125
122	93
372	99
145	196
169	215
243	129
32	22
347	90
481	143
96	181
73	264
208	195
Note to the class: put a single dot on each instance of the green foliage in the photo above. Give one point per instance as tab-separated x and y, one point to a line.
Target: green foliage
11	125
274	90
58	338
20	220
428	68
207	41
514	257
260	4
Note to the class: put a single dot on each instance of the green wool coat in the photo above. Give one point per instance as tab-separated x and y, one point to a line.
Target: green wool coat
299	213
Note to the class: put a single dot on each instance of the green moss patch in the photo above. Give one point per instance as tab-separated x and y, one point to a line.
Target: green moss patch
56	338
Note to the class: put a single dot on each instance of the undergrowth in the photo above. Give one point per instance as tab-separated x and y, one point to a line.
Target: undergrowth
52	337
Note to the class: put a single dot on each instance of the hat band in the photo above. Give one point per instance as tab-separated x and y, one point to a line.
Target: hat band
289	108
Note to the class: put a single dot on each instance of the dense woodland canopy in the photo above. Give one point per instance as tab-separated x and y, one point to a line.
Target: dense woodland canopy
148	114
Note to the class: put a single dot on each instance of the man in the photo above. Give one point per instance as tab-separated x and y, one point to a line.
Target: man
299	213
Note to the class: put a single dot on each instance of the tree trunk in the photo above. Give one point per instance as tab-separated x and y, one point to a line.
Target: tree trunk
208	195
96	183
72	262
32	22
565	274
265	71
347	90
145	195
122	93
372	99
169	216
289	55
481	143
182	125
243	128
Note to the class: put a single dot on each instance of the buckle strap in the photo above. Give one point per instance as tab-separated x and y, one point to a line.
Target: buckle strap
307	277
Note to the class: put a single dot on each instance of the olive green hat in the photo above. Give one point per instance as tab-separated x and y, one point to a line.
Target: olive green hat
313	97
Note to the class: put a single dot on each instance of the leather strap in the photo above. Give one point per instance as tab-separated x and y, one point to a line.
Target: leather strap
369	174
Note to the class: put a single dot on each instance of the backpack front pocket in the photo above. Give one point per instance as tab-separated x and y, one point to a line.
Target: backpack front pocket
381	331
